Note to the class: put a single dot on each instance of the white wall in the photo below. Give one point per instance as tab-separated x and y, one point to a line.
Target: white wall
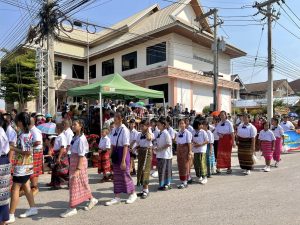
225	100
67	68
187	14
202	96
184	93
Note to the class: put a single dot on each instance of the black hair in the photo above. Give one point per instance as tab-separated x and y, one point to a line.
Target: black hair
81	123
196	124
224	113
15	111
246	115
162	120
181	120
24	118
153	120
266	122
33	115
2	123
145	122
132	121
276	120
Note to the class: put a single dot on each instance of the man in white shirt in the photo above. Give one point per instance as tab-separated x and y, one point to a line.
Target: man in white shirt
68	133
286	124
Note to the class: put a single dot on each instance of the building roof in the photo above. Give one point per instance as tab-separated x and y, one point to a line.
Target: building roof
263	86
295	85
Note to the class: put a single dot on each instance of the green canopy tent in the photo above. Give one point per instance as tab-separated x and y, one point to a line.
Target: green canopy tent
116	87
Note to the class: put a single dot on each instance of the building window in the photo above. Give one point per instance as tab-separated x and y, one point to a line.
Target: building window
58	66
156	53
129	61
108	67
78	72
93	71
160	87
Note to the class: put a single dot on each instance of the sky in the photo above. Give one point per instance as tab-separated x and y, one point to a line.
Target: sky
245	36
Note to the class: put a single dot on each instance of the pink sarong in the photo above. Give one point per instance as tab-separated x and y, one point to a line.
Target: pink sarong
278	149
267	151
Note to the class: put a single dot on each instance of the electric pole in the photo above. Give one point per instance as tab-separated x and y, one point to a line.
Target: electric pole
268	12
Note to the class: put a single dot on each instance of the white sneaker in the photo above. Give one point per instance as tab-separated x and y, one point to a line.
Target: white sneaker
264	169
70	212
91	204
114	201
154	174
248	172
267	169
204	181
30	212
244	171
200	179
132	198
12	219
276	164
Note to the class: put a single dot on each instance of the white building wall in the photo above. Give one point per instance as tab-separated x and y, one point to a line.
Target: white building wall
187	14
225	100
184	93
66	69
202	96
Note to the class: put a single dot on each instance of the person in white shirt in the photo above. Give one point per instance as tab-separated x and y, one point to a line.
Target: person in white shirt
184	153
171	131
132	148
200	141
79	188
278	131
189	127
213	129
246	135
68	133
60	170
225	132
120	156
144	143
104	165
155	132
286	124
210	156
266	140
164	156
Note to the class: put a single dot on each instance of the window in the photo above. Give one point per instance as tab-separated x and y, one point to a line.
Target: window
93	71
58	66
108	67
156	53
129	61
78	72
160	87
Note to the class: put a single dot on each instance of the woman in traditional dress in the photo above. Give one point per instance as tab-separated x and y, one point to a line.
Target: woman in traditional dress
23	168
200	141
210	156
155	132
184	153
279	142
79	187
226	137
104	155
267	144
258	123
5	175
144	150
246	137
120	155
164	156
60	170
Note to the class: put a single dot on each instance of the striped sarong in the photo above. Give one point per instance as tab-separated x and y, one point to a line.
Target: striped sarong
278	149
144	166
104	165
5	178
267	151
183	161
200	164
210	160
37	164
60	172
164	167
224	152
79	187
245	153
123	182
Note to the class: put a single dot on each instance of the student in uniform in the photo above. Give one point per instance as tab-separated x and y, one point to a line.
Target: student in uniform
10	133
133	136
266	140
164	156
120	155
5	175
278	131
210	156
144	150
69	134
189	127
200	141
79	188
286	124
172	133
60	170
246	137
155	133
104	155
184	153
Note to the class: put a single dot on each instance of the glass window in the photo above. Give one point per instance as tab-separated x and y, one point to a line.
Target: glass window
58	66
156	53
160	87
108	67
78	72
129	61
93	71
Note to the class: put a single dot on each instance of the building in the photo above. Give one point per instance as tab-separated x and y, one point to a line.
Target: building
162	49
295	85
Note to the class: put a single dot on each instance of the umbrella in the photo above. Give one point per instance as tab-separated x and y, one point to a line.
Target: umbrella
293	114
140	103
215	113
47	128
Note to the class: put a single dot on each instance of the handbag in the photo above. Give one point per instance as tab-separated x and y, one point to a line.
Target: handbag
114	154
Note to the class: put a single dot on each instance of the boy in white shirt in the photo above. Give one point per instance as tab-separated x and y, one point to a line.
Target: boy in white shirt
132	148
104	165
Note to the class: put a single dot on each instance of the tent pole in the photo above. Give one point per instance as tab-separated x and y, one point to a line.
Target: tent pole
100	102
165	110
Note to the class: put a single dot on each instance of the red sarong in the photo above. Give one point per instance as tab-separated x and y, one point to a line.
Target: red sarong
278	149
104	165
37	164
267	151
224	152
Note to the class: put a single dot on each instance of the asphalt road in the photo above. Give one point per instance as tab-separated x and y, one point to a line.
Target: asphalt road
261	198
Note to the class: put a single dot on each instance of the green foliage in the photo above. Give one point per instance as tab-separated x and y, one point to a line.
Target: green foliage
278	103
18	81
206	110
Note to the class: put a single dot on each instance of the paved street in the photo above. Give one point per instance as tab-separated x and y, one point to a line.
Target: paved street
261	198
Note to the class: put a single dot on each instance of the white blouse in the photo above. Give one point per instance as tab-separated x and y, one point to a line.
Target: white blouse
133	137
164	139
79	145
69	135
278	131
60	142
199	137
37	137
171	132
4	143
184	137
266	135
246	131
190	128
11	135
143	142
210	137
224	127
104	143
124	136
287	126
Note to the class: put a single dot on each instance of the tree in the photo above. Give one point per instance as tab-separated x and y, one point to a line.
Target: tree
206	110
18	81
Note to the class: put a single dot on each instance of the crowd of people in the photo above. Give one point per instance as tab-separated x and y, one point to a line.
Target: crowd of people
201	144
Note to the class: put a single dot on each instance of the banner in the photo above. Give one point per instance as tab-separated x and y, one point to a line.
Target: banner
292	140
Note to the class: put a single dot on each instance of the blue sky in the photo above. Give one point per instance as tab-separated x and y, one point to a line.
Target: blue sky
246	37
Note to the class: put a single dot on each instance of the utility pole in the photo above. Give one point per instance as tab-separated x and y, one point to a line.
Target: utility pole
51	68
88	55
269	14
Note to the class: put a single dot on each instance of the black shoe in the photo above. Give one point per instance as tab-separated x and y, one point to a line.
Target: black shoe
182	186
161	188
190	181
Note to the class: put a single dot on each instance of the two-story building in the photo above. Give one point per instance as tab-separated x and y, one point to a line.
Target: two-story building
162	49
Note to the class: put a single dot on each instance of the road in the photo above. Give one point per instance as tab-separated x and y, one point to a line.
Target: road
261	198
